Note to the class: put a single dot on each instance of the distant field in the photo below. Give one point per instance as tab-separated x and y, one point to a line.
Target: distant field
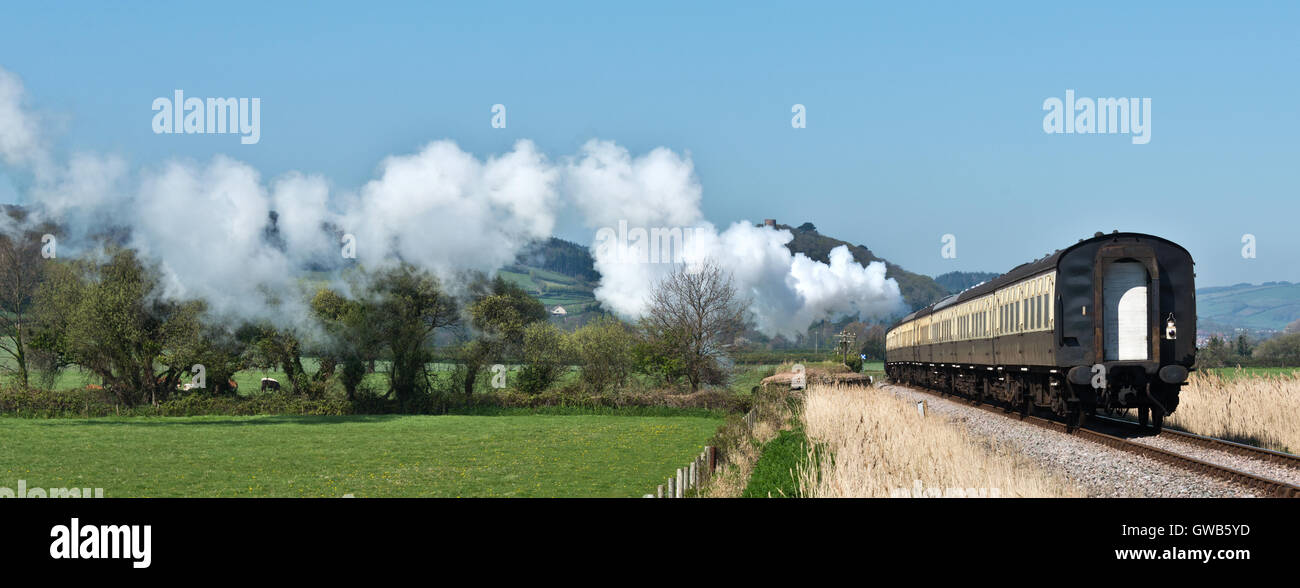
553	288
1233	372
749	376
511	456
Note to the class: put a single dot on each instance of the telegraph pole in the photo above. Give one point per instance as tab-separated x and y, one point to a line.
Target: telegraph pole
845	341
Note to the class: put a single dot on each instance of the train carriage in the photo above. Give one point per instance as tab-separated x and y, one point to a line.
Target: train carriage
1109	322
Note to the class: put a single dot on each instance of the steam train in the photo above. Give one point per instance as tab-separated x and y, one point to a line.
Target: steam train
1107	323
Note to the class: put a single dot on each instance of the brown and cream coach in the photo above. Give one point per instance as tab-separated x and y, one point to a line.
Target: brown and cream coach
1109	322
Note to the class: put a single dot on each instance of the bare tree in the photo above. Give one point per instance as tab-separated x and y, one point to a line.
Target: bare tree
21	270
696	311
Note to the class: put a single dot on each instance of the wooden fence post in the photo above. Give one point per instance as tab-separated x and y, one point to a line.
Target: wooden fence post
691	477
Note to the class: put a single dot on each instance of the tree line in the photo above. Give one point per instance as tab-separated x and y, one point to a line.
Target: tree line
108	314
1280	351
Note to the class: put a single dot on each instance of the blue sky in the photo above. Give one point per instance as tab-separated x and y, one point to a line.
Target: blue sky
923	119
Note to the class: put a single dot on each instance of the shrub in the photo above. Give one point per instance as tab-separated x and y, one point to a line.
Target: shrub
544	355
604	349
89	402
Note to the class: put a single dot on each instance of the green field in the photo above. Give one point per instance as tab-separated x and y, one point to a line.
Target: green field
1229	373
553	288
291	456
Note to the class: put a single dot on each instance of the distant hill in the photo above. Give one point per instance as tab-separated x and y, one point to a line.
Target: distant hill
956	282
1270	306
918	290
562	273
559	273
560	256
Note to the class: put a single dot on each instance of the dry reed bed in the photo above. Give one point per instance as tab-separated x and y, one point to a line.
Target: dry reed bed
1259	410
880	446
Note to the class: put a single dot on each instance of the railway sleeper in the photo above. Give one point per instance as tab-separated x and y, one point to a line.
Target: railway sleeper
1023	389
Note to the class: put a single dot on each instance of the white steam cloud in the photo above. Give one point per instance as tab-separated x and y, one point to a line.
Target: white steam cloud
220	231
659	190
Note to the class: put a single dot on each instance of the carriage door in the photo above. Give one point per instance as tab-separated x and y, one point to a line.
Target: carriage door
1125	295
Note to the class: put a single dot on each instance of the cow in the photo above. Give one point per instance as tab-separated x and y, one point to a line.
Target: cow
270	384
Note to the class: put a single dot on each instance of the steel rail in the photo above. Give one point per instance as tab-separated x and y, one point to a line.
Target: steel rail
1265	485
1242	449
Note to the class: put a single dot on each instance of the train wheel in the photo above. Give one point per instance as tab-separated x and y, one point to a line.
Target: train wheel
1157	419
1075	418
1143	414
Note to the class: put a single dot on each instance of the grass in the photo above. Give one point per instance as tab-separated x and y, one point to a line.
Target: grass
749	376
877	445
1258	408
527	455
775	472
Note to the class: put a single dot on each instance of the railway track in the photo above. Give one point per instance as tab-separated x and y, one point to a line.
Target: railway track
1267	455
1266	486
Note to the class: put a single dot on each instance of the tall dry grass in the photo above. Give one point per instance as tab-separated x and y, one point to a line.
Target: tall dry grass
879	446
1261	410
